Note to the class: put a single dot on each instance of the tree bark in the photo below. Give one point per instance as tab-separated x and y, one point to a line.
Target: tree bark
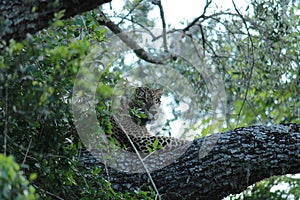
239	158
19	17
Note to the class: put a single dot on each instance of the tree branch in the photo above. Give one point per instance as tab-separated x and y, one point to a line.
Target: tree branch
250	54
20	17
208	2
131	10
130	42
163	21
239	159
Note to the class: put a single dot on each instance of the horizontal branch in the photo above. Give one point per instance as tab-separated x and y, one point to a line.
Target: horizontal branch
239	158
20	17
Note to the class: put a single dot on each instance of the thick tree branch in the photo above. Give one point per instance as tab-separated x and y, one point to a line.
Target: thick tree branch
239	158
20	17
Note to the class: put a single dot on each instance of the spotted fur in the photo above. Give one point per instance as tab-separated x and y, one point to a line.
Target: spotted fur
138	110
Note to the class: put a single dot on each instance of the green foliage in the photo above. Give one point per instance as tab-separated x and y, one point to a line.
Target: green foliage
262	74
13	184
140	13
155	146
138	115
37	78
36	82
275	188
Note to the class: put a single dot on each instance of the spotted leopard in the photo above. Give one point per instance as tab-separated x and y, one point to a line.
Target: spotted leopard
140	108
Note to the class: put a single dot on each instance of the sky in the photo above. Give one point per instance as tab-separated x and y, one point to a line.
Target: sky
177	11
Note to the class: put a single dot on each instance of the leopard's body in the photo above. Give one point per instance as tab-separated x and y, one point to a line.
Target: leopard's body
145	101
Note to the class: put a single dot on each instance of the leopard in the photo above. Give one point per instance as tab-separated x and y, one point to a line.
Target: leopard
139	108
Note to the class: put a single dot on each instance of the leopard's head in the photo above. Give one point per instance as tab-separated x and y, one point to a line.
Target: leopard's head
145	104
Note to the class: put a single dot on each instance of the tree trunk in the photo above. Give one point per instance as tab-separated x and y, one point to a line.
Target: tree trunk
238	159
19	17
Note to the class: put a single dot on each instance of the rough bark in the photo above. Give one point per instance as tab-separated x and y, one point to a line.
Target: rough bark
240	158
19	17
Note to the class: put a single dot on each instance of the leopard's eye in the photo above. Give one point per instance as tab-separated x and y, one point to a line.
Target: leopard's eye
140	94
157	100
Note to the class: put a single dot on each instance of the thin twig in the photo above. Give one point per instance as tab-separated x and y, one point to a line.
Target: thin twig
27	150
203	38
138	154
252	60
141	25
131	10
164	25
6	122
47	192
204	17
208	2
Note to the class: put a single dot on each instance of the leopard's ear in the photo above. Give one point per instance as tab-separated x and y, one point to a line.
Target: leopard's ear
159	91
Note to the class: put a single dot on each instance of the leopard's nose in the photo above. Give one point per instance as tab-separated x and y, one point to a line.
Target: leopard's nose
153	113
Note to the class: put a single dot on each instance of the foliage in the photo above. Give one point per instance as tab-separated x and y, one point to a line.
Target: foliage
37	78
275	188
13	184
